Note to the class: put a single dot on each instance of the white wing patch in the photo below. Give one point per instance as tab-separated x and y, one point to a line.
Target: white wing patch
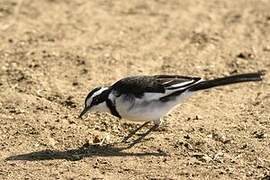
183	84
169	90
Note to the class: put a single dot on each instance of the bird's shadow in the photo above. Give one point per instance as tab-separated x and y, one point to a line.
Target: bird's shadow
90	150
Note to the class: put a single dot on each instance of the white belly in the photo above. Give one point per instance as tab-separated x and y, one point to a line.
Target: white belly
143	112
145	109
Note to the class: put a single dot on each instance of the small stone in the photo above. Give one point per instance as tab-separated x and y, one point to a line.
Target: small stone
197	117
206	158
187	136
260	135
86	144
160	150
188	146
244	146
71	122
245	55
96	140
84	71
266	48
202	157
75	84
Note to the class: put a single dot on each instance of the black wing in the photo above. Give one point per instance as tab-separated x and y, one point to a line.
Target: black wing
138	85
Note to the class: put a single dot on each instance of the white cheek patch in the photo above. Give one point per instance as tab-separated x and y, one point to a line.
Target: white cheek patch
102	107
88	102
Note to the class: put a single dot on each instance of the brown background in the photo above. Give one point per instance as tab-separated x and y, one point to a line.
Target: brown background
52	52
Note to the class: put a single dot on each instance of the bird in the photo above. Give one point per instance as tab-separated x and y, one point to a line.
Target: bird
148	98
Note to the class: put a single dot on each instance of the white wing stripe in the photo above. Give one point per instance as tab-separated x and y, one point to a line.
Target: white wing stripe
181	85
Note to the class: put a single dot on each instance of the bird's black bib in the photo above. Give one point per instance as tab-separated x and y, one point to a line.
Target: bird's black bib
112	108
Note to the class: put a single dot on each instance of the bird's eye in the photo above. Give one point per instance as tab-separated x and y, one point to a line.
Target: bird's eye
95	100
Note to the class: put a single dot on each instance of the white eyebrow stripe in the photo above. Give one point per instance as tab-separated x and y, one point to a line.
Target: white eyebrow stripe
100	91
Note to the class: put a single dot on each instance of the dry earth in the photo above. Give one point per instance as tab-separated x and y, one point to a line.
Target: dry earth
52	52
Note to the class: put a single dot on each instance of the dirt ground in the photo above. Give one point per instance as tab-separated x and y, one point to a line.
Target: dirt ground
52	52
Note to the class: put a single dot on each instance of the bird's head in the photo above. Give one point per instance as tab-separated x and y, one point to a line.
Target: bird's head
96	100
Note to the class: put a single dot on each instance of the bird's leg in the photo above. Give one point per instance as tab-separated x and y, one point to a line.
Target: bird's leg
134	131
143	136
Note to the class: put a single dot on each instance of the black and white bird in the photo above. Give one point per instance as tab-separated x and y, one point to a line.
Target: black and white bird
149	98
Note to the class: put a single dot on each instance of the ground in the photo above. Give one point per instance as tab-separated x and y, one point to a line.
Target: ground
53	52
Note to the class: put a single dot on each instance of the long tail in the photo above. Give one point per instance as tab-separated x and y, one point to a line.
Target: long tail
227	80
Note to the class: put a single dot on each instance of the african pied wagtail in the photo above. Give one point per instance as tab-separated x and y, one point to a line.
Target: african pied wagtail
149	98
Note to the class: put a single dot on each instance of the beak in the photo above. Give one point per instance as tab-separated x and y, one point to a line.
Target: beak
84	112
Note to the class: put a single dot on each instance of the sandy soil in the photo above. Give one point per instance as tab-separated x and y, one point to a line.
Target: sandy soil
52	52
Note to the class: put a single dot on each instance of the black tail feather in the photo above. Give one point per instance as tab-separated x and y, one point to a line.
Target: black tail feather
227	80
